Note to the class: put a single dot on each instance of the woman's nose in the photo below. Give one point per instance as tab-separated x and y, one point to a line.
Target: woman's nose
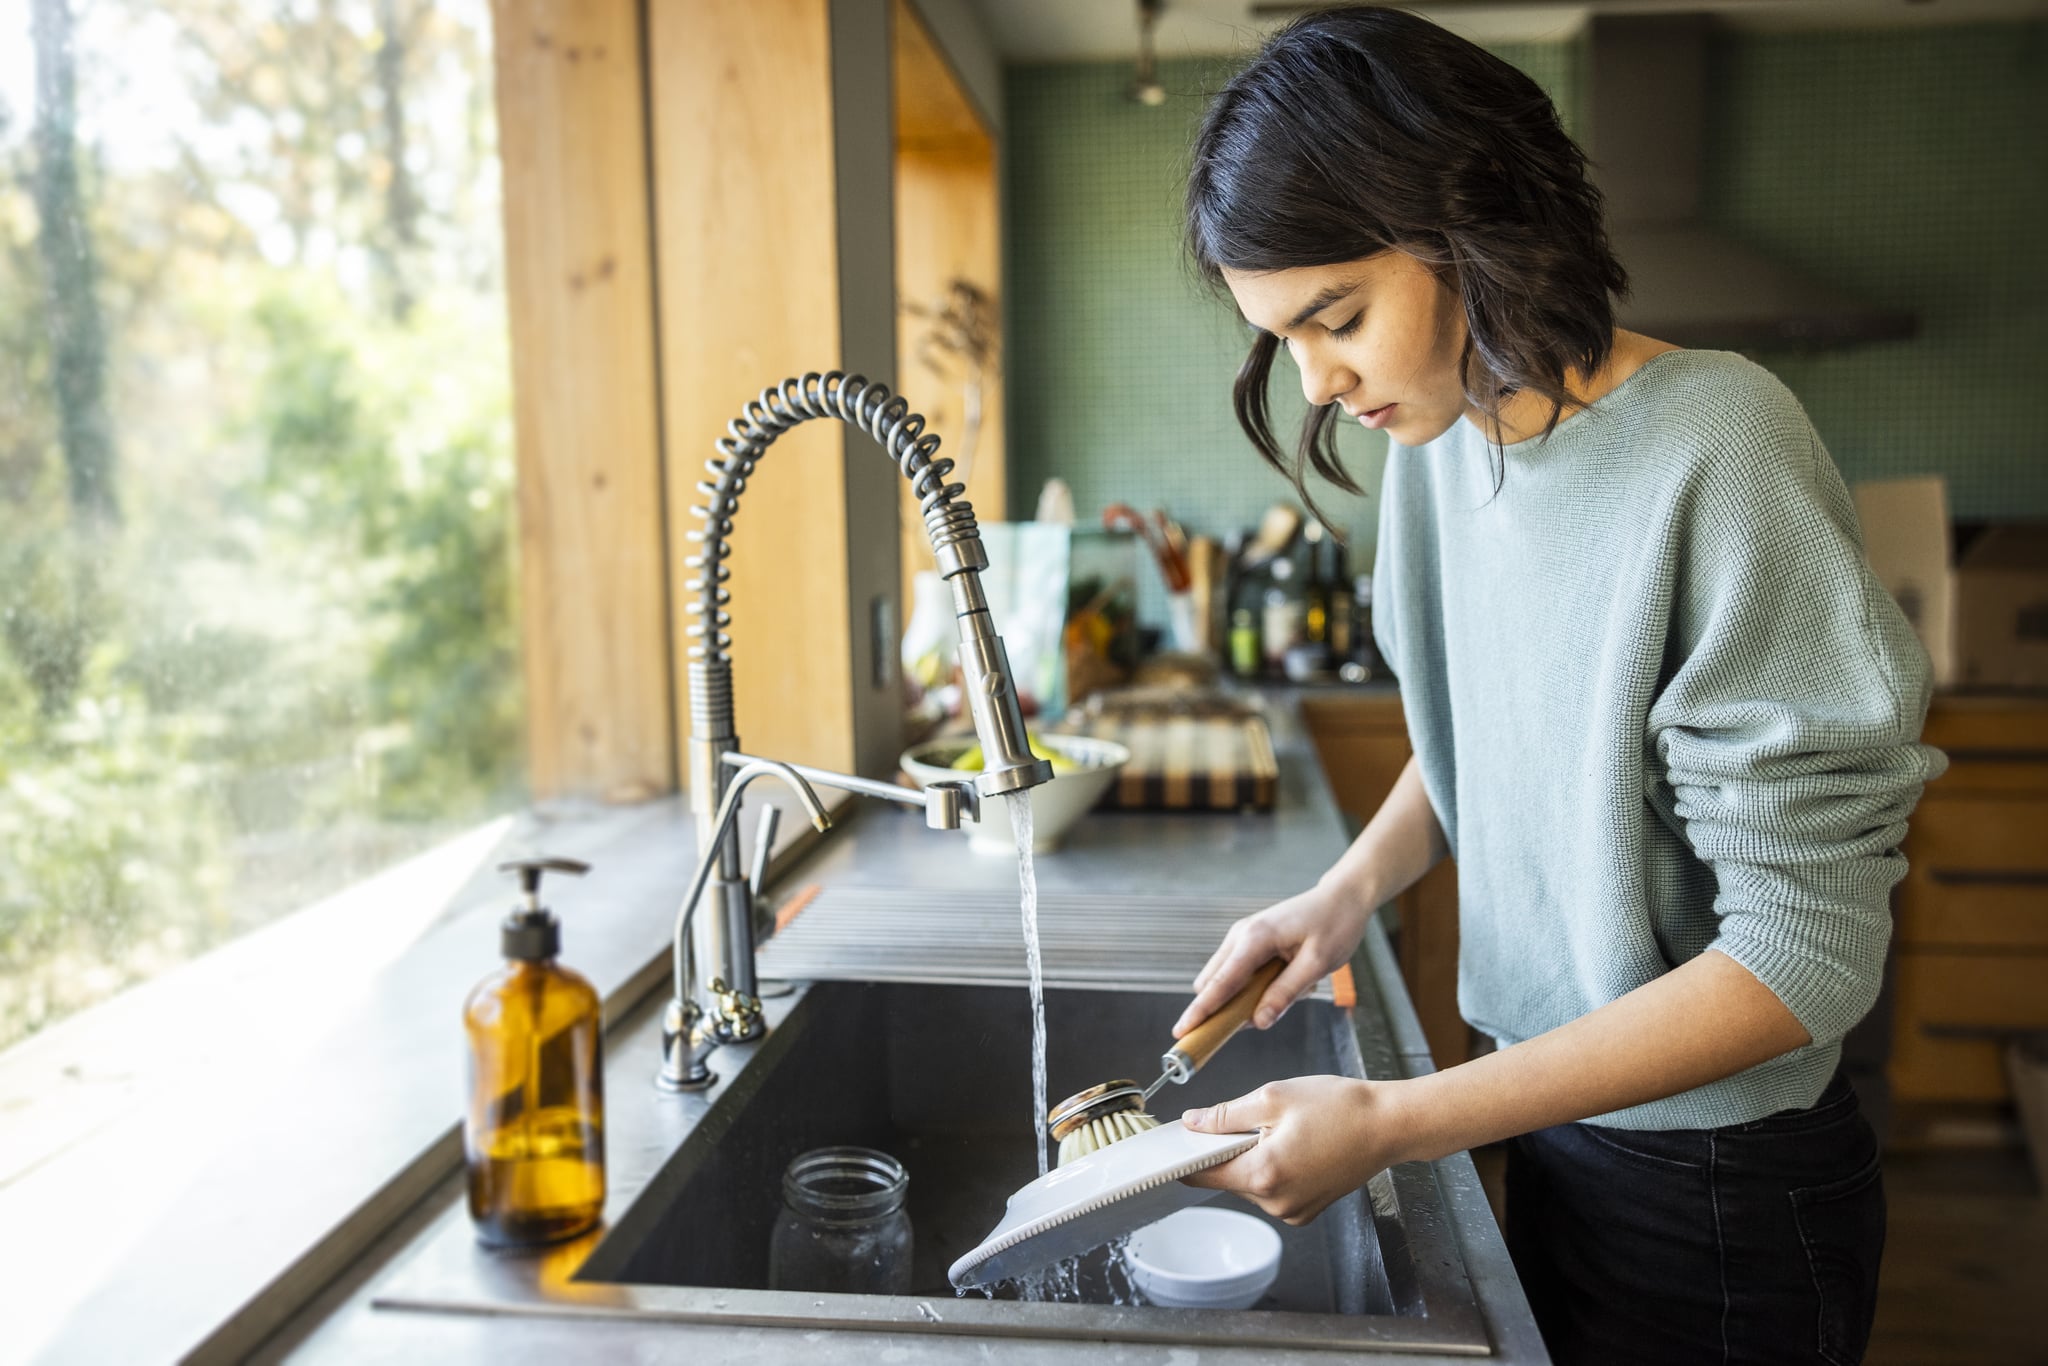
1325	378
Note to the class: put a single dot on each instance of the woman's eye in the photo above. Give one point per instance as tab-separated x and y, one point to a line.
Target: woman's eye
1348	329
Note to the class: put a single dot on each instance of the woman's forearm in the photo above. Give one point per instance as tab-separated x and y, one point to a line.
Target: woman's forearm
1324	1136
1317	929
1399	844
1698	1023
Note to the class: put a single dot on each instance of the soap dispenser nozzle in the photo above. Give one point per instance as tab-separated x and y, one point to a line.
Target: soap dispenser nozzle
529	871
531	932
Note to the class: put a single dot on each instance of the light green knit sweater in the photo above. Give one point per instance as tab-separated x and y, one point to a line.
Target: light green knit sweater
1660	706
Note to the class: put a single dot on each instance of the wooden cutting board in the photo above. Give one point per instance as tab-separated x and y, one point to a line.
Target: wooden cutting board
1184	759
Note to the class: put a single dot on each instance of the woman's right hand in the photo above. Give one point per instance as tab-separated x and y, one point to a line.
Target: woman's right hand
1315	931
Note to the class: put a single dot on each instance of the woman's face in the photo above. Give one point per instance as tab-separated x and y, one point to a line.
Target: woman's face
1380	336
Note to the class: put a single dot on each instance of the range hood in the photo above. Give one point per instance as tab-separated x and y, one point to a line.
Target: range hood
1692	285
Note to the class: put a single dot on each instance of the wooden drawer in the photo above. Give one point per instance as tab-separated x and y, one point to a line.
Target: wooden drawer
1354	713
1363	745
1926	1067
1950	1013
1362	770
1977	873
1972	991
1994	744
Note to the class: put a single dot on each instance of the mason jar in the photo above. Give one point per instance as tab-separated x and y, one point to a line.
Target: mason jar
842	1227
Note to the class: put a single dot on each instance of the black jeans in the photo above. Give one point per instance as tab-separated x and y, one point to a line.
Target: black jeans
1756	1242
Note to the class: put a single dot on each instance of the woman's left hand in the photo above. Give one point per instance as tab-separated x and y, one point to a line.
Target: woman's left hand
1321	1139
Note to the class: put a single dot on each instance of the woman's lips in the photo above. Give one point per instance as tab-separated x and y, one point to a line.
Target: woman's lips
1378	417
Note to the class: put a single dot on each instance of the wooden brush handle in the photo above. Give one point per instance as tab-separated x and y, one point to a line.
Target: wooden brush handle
1199	1044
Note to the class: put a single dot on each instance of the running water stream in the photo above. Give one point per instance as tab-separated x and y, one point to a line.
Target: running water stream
1027	882
1074	1279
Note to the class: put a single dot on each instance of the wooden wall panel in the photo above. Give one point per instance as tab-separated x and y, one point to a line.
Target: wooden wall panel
747	245
948	227
593	609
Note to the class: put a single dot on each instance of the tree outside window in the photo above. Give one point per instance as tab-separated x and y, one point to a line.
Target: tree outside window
256	619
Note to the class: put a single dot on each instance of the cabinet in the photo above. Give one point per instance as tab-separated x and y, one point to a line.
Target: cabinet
1362	740
1971	930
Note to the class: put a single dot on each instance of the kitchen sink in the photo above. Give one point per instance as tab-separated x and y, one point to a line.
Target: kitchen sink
938	1076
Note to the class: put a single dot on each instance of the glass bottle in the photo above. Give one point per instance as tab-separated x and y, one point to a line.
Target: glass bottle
843	1228
533	1135
1244	644
1364	650
1343	607
1315	619
1280	622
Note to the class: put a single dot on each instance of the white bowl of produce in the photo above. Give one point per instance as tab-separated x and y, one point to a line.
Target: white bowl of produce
1205	1258
1082	770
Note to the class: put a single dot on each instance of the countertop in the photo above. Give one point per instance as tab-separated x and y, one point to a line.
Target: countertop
1264	855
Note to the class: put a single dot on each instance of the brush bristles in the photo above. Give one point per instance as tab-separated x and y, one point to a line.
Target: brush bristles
1097	1134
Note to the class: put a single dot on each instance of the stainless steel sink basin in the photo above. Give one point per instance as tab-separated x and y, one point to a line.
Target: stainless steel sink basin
939	1078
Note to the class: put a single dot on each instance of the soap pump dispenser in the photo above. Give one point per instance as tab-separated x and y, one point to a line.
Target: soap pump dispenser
534	1131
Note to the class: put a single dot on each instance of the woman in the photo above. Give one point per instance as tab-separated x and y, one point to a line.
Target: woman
1662	714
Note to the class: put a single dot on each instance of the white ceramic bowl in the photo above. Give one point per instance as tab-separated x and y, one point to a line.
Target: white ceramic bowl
1205	1259
1055	806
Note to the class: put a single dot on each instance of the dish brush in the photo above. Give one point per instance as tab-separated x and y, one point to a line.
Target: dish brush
1090	1120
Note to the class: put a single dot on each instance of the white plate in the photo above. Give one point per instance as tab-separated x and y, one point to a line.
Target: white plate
1093	1199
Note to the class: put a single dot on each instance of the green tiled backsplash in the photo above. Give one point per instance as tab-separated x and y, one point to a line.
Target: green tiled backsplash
1910	166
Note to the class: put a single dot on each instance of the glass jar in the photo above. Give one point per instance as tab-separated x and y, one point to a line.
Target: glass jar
843	1227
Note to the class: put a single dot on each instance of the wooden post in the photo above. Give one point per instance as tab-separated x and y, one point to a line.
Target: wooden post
751	124
579	281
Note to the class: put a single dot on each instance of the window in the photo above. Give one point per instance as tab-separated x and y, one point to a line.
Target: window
256	623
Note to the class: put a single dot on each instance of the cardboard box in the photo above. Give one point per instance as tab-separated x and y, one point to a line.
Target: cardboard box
1906	536
2001	609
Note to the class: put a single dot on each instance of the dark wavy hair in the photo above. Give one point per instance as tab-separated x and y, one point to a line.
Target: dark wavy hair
1362	130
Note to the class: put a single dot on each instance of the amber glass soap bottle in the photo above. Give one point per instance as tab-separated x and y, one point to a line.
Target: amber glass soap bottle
534	1131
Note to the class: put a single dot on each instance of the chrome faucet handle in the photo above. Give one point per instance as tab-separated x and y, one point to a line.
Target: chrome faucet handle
947	804
684	1047
739	1013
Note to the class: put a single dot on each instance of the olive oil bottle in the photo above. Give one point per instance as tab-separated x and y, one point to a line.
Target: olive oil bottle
534	1131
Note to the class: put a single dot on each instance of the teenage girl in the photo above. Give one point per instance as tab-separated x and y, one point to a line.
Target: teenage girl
1661	713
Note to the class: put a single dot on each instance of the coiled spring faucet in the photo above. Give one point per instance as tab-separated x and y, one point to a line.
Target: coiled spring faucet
718	1003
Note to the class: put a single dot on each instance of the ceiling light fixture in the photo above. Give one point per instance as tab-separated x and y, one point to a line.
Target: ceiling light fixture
1146	89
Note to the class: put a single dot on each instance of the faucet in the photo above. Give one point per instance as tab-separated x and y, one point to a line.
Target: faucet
715	999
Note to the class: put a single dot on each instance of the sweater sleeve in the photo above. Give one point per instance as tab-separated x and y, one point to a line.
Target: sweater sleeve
1787	726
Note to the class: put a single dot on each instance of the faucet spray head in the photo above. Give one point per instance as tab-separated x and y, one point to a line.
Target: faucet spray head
1008	765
